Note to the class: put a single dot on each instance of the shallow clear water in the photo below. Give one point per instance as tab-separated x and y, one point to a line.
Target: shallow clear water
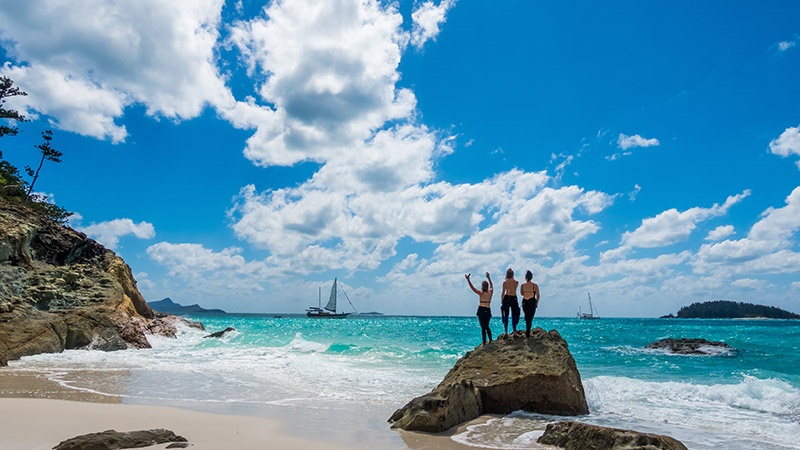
348	376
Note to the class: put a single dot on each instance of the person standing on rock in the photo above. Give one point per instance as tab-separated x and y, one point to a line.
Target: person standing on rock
530	300
484	300
510	301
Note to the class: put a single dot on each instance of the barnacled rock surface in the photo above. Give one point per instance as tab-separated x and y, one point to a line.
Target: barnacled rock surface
536	374
61	290
581	436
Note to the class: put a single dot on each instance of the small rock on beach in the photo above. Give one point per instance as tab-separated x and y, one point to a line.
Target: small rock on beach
112	440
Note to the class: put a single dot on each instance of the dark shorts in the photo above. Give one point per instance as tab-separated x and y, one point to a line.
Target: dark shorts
529	307
510	301
484	311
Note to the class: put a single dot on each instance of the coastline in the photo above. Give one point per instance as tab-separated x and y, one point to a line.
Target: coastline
38	413
337	384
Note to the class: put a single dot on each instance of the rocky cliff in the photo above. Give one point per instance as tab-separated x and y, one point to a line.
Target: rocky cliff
61	290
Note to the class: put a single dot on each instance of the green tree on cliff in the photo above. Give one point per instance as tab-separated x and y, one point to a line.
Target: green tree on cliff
9	175
49	154
9	116
12	186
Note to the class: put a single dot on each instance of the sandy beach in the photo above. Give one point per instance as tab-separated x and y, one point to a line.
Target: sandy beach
39	424
37	414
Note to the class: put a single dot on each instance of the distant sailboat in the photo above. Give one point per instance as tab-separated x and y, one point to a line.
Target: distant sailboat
329	312
592	314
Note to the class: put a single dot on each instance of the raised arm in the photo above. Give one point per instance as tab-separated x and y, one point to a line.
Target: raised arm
491	286
471	286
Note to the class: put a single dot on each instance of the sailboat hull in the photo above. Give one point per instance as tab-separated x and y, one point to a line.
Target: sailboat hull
326	315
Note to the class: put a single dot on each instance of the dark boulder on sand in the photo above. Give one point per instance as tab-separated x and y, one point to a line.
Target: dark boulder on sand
686	346
581	436
536	374
112	440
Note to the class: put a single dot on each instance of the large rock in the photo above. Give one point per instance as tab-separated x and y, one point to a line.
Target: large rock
113	440
445	407
581	436
61	290
536	374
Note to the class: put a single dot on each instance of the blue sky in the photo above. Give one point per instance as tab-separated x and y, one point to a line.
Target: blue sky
241	154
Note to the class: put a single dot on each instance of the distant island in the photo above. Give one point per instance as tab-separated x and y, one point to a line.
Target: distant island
170	307
373	313
725	309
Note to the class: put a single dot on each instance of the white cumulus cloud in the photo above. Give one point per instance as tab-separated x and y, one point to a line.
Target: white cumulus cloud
625	142
331	74
719	233
767	248
212	275
788	143
670	227
428	18
84	62
108	233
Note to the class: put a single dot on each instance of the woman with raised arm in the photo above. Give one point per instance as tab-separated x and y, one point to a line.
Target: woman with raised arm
510	301
530	300
484	299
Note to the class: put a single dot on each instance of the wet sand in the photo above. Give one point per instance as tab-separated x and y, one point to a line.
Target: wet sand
38	413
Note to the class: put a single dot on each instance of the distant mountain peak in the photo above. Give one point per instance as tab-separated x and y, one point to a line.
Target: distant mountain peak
167	305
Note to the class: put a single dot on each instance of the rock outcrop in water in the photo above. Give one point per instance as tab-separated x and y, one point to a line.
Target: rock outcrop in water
581	436
219	334
536	374
61	290
686	346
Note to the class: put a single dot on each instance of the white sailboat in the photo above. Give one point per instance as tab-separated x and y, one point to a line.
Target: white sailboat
592	314
329	312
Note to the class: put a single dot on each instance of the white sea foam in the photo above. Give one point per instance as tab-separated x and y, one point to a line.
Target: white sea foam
516	431
754	413
763	411
192	367
706	351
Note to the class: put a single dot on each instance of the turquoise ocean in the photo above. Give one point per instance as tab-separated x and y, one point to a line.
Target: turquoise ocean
340	380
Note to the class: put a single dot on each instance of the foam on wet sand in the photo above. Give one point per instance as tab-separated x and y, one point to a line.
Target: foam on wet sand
37	414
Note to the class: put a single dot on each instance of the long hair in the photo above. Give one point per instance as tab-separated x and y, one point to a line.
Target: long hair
485	286
529	275
509	273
